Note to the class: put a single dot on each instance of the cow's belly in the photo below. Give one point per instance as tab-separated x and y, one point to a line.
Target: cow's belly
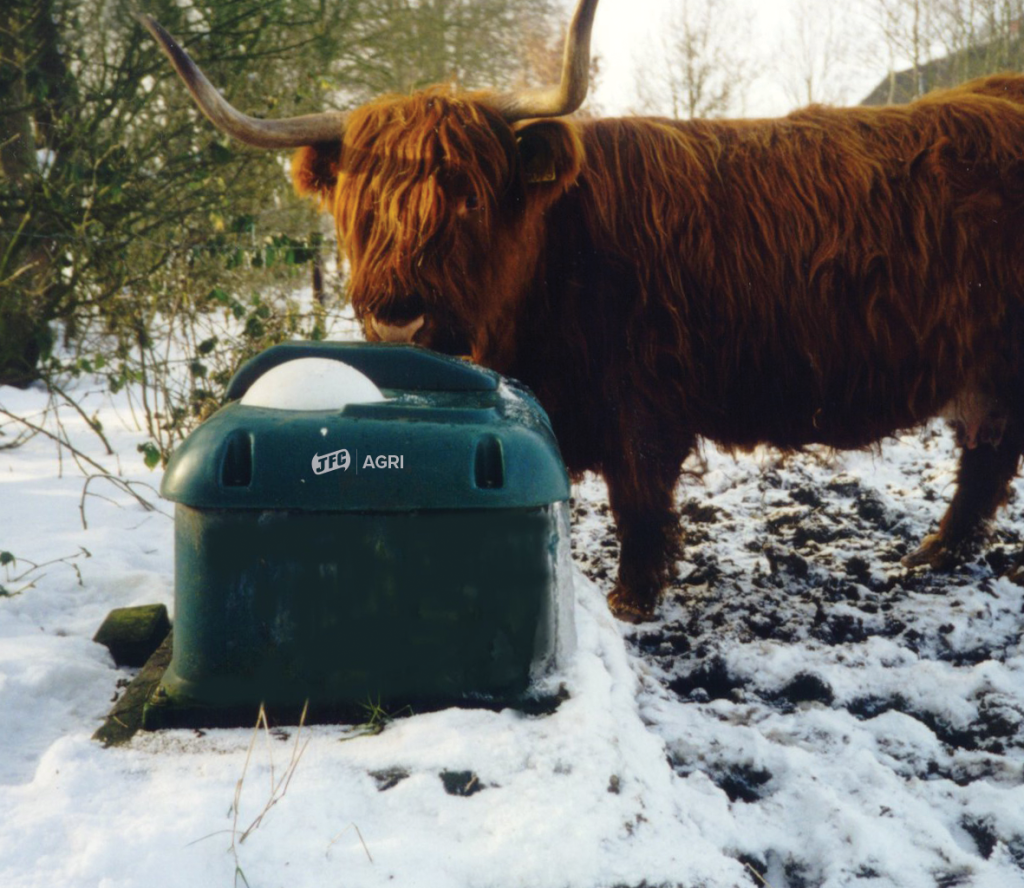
855	414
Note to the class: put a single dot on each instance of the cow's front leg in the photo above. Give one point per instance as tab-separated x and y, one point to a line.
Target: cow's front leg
648	546
641	492
982	484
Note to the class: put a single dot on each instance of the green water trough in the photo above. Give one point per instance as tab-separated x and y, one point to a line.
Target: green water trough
361	525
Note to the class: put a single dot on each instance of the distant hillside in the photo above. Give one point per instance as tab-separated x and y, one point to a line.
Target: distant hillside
1003	54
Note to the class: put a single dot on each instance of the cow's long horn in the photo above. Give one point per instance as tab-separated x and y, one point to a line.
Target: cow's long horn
566	96
290	132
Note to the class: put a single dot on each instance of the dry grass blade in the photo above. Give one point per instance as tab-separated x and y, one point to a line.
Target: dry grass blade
362	841
278	787
758	876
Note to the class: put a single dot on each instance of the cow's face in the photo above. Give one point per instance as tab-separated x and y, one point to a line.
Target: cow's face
439	206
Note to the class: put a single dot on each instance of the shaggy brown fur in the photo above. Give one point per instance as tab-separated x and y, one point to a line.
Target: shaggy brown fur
830	277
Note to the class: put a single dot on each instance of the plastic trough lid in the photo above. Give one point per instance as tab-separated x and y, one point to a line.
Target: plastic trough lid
388	365
473	443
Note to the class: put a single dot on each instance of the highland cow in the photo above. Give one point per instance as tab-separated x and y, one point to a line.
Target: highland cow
831	277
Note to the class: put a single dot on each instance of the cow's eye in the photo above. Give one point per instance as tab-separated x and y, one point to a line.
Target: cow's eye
467	202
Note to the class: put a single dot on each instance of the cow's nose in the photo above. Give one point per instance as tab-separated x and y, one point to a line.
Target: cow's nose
397	332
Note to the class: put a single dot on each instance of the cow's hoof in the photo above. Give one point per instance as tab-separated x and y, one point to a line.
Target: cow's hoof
627	607
1015	572
932	552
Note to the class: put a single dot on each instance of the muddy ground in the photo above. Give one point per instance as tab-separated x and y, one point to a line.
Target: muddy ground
792	640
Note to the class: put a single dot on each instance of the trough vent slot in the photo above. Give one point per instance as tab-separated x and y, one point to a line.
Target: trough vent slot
490	463
236	467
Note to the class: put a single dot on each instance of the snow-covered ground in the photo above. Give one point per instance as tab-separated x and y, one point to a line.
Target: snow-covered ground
804	713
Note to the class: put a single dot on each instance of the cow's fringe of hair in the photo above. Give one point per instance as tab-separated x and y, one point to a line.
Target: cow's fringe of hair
408	167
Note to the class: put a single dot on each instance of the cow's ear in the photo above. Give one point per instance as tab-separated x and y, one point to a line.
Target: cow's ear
551	154
315	169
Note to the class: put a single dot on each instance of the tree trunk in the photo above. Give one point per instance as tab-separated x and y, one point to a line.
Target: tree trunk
24	261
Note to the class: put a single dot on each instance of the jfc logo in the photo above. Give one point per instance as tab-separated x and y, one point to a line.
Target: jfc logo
331	462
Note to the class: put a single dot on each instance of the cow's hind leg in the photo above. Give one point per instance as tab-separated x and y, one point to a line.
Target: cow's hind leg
982	484
641	493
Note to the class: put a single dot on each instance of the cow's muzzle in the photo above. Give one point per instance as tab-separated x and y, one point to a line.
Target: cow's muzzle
397	332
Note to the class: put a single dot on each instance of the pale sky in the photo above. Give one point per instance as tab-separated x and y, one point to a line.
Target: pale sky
626	29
